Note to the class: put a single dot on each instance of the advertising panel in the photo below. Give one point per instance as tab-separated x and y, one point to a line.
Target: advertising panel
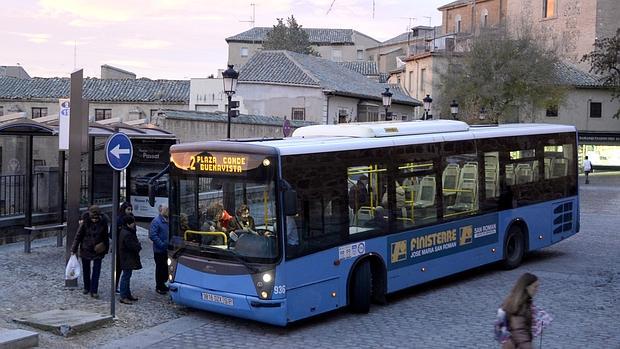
150	157
409	248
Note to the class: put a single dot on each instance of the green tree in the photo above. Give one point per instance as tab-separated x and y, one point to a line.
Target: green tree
605	61
289	36
504	76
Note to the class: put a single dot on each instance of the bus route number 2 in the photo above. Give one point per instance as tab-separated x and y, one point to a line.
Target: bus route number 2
279	289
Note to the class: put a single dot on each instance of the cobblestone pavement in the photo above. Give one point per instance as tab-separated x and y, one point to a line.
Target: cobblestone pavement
34	282
580	284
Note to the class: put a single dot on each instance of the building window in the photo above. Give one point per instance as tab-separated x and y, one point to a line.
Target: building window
552	111
457	27
244	52
336	55
484	18
596	109
298	114
360	55
1	110
343	115
102	114
38	112
422	81
548	8
367	112
154	112
371	58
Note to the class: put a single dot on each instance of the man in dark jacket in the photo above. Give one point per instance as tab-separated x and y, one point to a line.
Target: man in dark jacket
129	248
92	240
158	233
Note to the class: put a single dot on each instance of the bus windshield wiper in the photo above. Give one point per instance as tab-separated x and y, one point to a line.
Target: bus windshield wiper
235	256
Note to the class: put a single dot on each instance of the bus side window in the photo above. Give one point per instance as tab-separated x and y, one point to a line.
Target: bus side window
367	184
464	199
415	194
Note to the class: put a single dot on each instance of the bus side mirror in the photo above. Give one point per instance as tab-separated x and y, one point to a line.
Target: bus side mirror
290	202
151	194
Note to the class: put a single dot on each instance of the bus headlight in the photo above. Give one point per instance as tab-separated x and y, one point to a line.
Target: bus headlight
169	261
263	281
266	162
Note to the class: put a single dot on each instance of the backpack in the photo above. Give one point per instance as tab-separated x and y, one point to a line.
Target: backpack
500	328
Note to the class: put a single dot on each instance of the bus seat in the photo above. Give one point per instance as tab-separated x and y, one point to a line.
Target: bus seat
450	177
425	197
510	174
490	188
559	167
466	196
469	171
523	173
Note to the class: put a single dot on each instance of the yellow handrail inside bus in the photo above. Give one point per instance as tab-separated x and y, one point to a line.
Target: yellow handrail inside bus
201	232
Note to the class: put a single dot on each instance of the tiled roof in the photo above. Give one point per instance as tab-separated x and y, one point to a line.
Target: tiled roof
365	68
97	90
567	74
290	68
222	117
315	35
454	3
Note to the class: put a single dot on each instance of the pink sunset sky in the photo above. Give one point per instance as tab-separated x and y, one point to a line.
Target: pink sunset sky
174	39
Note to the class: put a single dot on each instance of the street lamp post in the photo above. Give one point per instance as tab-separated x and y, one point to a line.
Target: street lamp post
428	102
387	101
454	109
230	77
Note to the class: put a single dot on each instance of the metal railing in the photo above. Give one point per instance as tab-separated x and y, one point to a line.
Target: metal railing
13	193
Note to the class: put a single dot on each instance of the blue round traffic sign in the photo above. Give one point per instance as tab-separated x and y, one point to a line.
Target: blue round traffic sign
118	151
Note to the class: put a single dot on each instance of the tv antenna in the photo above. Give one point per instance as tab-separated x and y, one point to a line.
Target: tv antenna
411	20
253	18
429	20
332	5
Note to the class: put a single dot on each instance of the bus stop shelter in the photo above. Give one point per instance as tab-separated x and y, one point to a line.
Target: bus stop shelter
33	178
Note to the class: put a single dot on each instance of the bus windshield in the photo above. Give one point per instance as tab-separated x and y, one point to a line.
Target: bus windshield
225	214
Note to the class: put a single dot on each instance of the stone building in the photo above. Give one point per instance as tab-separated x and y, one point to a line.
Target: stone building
302	87
339	45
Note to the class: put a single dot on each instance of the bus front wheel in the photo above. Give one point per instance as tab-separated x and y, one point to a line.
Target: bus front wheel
360	288
514	247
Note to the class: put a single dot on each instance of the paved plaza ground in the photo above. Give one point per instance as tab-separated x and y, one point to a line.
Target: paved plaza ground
580	284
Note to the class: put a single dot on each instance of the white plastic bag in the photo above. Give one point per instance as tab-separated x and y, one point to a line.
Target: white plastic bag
74	269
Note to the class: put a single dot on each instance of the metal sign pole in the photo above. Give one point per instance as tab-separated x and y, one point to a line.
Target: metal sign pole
119	152
115	205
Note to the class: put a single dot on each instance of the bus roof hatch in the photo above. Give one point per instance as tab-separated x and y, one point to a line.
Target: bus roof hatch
381	129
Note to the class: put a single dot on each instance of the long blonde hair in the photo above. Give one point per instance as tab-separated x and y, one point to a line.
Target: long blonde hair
518	297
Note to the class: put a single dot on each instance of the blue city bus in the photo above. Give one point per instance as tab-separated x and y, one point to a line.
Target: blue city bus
344	214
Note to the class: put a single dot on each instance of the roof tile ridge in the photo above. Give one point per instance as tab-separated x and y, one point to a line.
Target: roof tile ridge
301	66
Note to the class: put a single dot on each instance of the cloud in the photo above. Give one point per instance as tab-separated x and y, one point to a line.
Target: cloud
128	63
81	42
109	11
37	38
144	44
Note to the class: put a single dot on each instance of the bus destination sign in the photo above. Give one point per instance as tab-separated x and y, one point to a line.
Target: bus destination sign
219	163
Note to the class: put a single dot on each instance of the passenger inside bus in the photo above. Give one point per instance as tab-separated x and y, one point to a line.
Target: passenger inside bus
244	220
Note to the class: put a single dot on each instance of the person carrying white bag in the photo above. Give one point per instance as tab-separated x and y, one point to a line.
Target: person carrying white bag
74	269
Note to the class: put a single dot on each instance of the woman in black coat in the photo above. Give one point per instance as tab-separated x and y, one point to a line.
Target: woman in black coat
126	209
129	248
93	243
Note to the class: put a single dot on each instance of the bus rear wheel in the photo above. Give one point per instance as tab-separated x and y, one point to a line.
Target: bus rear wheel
360	288
514	248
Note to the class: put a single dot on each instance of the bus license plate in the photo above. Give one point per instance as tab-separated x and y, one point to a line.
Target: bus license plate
217	299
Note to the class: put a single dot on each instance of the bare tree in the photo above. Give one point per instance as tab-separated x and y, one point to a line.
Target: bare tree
502	76
605	61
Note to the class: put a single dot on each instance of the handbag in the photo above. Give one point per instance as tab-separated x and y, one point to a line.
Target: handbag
100	248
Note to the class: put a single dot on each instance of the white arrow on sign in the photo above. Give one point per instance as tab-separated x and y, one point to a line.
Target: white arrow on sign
117	151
